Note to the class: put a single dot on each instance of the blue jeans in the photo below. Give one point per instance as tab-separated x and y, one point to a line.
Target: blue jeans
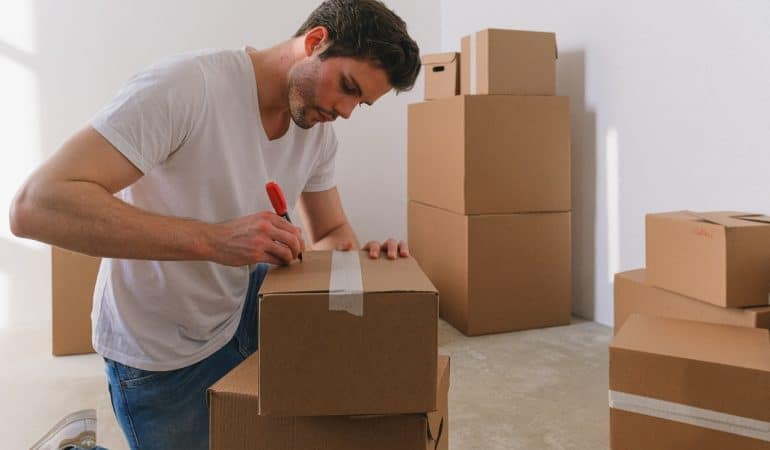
169	410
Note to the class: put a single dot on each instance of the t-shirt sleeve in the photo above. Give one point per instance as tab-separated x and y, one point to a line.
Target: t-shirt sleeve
322	175
155	112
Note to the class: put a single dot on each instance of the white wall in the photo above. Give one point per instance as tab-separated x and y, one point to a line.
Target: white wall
670	110
61	61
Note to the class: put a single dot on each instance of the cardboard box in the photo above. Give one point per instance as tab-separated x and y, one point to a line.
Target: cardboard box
508	62
72	291
442	75
679	385
236	425
492	154
342	334
718	257
634	294
495	273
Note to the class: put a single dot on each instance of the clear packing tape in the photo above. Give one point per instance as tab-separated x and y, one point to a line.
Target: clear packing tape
346	287
699	417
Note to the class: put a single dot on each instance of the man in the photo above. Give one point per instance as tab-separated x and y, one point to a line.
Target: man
167	184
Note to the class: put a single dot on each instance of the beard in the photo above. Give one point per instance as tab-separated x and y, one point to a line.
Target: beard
302	90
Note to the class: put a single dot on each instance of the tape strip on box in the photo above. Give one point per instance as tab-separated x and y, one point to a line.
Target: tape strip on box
346	287
699	417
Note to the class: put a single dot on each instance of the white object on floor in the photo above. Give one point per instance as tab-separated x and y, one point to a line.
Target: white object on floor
76	429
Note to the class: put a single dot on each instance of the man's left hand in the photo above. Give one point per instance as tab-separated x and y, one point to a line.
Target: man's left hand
391	247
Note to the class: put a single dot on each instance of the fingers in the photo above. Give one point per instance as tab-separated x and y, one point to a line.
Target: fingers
279	229
403	249
373	247
278	221
345	246
280	253
391	247
270	259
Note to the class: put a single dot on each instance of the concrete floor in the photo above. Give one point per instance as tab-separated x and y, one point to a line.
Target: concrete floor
538	389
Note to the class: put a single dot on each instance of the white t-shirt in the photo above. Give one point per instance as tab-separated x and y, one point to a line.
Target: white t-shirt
191	124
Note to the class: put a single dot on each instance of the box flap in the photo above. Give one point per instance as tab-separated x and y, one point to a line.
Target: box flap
755	218
378	275
243	380
436	418
435	425
545	34
726	219
439	58
719	344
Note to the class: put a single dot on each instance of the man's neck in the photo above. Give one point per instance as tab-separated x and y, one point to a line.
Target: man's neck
271	69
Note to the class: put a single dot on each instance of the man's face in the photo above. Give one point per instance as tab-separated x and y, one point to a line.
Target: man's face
319	91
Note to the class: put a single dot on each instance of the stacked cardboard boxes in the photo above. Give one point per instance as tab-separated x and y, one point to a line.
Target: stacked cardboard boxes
711	267
690	361
348	360
489	183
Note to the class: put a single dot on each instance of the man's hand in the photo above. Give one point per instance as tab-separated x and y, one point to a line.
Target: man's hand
261	237
392	247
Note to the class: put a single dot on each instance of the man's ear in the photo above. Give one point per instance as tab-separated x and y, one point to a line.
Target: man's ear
316	40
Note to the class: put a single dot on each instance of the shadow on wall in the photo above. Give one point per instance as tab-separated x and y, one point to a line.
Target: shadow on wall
571	76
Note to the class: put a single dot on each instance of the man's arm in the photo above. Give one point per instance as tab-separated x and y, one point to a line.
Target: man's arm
325	221
69	202
328	226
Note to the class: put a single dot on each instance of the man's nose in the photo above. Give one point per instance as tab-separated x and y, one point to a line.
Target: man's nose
346	107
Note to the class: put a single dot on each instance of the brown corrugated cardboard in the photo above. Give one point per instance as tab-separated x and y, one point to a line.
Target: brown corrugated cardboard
316	361
509	62
718	257
634	294
490	154
73	279
442	75
495	272
236	425
631	431
675	366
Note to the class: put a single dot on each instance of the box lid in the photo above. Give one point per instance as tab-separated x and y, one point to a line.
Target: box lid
726	219
720	344
543	34
378	275
439	58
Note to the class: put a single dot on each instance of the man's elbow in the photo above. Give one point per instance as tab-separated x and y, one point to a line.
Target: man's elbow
20	214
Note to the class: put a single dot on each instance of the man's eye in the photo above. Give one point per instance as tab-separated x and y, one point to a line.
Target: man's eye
348	89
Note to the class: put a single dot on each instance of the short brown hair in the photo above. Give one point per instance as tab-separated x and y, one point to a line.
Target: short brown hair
367	29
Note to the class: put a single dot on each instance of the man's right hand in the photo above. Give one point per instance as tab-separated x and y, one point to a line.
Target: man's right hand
261	237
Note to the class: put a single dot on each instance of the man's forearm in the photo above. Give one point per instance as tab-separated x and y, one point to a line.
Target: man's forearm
341	238
85	218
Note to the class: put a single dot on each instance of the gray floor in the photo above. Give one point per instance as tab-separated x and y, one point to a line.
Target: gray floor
538	389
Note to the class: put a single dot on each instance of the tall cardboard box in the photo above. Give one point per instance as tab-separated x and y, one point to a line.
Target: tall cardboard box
682	385
497	272
490	154
73	279
717	257
635	295
342	334
509	62
442	75
236	425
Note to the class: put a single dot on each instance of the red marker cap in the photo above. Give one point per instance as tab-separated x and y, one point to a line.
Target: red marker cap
276	197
